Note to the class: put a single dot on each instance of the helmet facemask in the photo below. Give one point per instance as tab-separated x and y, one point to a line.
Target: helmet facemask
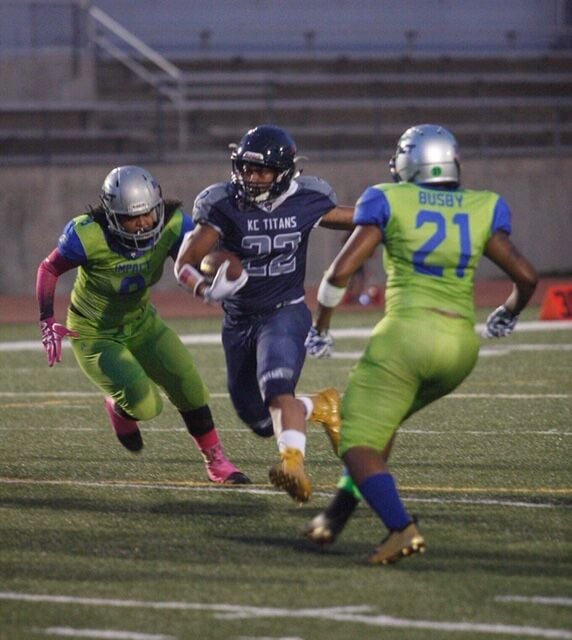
264	146
129	192
255	192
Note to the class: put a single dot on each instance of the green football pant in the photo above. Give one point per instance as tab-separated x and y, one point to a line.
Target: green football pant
411	359
133	362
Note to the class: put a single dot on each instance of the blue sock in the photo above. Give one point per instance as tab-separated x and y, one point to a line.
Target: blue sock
382	496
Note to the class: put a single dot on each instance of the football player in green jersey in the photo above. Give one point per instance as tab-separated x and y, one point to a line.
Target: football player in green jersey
120	342
433	233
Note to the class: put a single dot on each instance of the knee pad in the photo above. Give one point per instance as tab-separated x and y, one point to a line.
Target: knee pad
141	403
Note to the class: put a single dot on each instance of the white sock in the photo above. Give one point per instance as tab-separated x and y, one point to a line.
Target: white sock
292	439
308	404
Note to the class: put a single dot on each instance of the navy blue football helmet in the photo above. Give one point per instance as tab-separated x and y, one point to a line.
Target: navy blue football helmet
267	146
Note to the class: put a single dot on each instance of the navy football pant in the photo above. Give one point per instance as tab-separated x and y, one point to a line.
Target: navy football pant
264	357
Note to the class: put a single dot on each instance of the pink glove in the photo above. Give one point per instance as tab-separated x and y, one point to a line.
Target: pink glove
52	334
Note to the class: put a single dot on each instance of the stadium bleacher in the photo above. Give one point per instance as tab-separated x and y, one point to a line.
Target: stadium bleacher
146	107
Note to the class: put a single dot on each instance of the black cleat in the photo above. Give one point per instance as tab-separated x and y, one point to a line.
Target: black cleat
237	478
132	441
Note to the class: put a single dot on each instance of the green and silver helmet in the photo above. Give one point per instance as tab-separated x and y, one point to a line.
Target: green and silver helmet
426	154
130	192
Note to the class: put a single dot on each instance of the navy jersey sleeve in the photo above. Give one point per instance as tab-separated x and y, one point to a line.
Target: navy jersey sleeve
70	245
372	208
320	187
206	208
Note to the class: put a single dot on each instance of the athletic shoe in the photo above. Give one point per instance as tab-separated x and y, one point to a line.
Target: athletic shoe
327	412
289	475
398	544
327	526
126	429
220	469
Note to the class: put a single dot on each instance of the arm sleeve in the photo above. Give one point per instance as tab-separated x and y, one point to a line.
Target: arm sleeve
50	269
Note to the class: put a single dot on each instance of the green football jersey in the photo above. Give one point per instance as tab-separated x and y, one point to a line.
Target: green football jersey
433	241
112	287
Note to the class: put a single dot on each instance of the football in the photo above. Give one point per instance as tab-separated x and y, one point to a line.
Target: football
212	261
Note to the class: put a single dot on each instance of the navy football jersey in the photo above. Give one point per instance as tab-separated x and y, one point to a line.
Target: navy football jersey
271	239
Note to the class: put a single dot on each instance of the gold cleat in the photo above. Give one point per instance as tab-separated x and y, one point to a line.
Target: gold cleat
289	475
327	412
399	544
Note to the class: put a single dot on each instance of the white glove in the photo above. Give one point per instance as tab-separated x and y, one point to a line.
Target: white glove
221	287
500	323
319	344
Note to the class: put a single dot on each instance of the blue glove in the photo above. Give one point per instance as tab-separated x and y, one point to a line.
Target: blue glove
500	323
319	344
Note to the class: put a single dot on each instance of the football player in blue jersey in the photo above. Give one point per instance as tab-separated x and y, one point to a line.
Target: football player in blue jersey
119	341
434	234
265	215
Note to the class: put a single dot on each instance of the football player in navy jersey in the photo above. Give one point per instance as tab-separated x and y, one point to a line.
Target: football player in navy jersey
265	215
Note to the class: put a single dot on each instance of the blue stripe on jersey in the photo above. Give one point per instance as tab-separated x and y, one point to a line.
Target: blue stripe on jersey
502	219
188	225
70	245
372	208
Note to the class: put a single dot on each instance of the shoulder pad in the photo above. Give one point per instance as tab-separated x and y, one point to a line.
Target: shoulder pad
316	184
209	198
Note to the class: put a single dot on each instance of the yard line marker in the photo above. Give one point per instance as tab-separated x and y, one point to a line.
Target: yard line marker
337	334
363	615
324	491
103	634
564	602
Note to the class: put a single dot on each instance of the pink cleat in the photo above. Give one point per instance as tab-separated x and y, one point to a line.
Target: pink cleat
220	469
126	429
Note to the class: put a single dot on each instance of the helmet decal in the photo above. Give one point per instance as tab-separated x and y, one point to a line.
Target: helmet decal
426	154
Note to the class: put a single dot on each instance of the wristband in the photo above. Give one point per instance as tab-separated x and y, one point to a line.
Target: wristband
328	294
189	278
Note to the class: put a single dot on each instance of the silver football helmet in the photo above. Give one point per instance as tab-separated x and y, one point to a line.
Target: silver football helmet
427	154
132	191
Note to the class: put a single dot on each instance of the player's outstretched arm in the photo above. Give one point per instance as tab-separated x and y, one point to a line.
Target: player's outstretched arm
340	217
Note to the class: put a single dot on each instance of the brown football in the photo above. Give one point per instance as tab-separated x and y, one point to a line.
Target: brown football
212	261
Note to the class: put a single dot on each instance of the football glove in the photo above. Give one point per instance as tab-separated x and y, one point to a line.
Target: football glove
52	335
221	287
500	323
319	344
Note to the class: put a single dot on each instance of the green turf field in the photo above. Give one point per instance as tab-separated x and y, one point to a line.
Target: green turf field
96	542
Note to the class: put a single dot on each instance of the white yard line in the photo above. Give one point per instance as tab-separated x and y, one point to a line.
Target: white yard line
543	600
357	615
202	487
214	338
101	634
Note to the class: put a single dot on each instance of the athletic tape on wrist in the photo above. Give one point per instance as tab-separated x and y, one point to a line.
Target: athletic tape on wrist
328	294
190	278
